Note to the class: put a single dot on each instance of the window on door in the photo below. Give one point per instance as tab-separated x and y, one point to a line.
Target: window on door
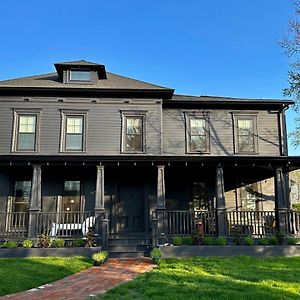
200	199
71	200
249	196
21	199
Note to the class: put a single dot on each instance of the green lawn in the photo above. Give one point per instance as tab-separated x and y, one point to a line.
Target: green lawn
19	274
215	278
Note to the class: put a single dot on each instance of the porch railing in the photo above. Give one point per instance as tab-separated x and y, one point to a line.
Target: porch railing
13	224
256	223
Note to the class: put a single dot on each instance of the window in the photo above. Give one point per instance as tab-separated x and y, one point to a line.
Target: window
26	130
73	131
246	141
80	75
133	133
71	196
249	196
22	192
197	134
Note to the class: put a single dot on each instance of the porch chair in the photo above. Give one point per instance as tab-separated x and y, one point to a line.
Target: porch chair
87	224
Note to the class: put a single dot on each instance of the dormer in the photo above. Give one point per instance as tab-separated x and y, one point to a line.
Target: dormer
80	72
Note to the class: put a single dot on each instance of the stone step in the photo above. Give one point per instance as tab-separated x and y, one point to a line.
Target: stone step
139	254
127	248
127	241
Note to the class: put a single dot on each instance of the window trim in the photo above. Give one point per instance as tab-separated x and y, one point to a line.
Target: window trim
133	114
248	116
73	113
25	112
201	116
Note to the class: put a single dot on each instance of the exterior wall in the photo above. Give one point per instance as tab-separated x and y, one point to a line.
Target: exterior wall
104	124
221	132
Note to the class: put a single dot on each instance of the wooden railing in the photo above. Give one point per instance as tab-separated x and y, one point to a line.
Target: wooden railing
13	224
256	223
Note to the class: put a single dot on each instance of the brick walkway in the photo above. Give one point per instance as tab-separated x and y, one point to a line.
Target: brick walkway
93	281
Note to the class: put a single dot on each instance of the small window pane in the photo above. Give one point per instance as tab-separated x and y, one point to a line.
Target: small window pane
198	126
198	143
134	143
78	75
74	124
245	135
134	125
246	144
134	134
27	124
26	141
73	142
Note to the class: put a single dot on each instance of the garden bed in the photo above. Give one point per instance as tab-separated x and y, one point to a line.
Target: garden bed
215	250
47	252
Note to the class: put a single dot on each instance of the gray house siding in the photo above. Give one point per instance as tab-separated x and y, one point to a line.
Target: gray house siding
103	131
221	131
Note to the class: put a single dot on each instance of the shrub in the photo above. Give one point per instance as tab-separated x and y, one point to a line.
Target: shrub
44	241
177	241
292	241
99	257
89	239
263	241
249	241
155	255
272	240
78	243
221	240
208	240
58	243
296	206
9	244
27	244
187	240
280	237
237	238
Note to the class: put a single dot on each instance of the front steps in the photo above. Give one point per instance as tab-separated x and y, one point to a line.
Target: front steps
134	246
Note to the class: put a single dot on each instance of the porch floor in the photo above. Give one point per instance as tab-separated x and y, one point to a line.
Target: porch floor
95	280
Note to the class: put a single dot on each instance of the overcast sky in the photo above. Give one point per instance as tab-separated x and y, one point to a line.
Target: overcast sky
222	48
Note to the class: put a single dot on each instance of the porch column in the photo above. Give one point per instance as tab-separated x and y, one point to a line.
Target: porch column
281	201
161	201
99	196
35	200
102	222
220	202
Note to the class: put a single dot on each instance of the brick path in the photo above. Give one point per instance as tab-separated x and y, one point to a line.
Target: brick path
93	281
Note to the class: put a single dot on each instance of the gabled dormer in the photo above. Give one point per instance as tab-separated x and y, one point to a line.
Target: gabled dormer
80	72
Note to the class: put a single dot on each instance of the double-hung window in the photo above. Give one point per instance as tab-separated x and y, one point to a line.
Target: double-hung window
245	134
73	132
80	75
197	134
25	131
133	133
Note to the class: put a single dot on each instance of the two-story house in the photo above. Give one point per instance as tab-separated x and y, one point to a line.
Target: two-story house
81	142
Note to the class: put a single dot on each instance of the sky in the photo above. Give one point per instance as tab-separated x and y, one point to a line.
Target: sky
198	47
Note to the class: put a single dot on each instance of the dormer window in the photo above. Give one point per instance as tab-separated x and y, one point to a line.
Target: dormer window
80	75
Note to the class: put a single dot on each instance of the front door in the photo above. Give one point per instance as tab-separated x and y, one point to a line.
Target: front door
129	208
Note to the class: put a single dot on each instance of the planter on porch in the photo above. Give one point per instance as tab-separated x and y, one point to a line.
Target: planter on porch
46	252
255	251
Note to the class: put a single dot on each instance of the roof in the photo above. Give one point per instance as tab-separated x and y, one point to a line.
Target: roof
52	80
217	99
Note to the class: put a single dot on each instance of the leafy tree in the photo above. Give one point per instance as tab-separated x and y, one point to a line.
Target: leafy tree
291	45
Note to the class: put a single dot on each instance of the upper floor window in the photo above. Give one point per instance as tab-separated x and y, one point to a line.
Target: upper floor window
246	141
197	134
25	131
73	131
133	133
80	75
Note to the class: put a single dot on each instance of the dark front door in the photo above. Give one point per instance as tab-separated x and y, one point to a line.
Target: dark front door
129	208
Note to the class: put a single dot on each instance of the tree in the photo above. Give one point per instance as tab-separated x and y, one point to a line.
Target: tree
291	45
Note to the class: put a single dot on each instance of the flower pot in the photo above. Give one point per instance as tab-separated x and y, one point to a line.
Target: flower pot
98	263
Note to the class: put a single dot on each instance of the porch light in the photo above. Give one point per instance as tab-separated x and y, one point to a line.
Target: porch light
68	208
72	201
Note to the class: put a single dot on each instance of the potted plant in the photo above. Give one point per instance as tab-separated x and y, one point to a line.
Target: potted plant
155	255
99	257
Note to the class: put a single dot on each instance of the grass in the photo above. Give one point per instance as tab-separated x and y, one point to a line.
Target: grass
215	278
19	274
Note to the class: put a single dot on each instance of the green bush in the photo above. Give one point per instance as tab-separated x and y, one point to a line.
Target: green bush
296	206
27	244
58	243
208	240
249	241
9	244
292	241
78	243
221	240
44	241
100	257
263	241
187	240
177	241
272	240
155	255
